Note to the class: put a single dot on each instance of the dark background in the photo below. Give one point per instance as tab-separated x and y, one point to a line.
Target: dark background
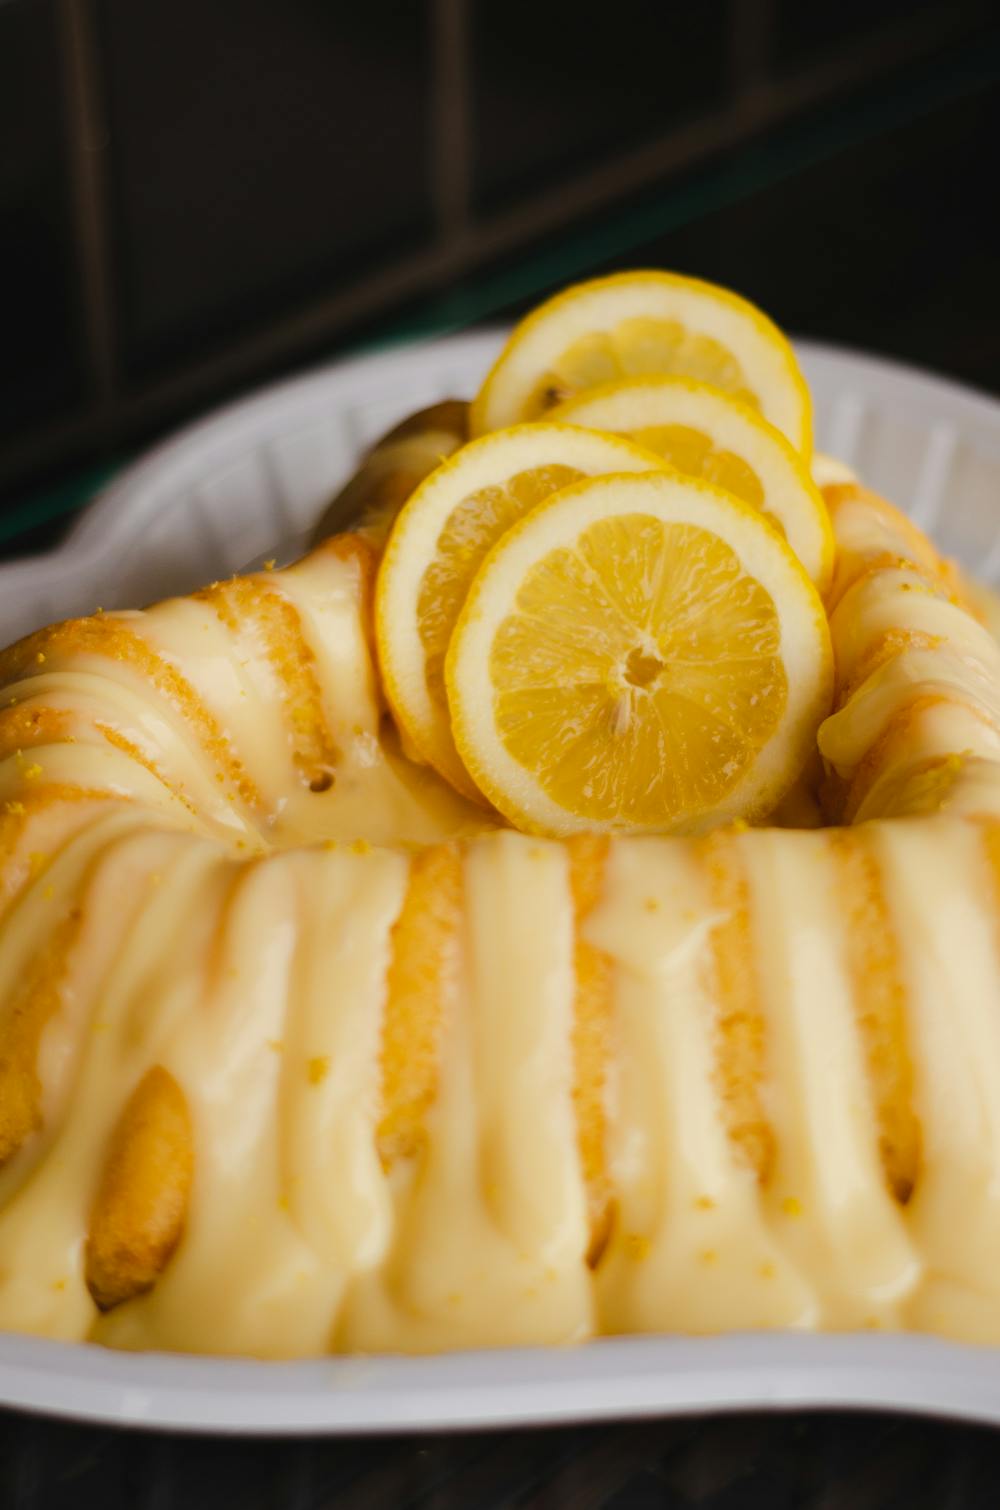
199	195
825	1461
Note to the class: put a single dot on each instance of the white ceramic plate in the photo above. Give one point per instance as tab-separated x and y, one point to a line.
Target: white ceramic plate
250	480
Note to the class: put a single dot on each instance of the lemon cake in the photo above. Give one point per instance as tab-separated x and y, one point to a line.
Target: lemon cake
301	1051
565	903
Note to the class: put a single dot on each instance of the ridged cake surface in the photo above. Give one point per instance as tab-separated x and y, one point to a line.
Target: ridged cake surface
300	1052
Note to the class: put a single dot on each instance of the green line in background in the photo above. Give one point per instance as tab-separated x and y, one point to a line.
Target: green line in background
56	503
759	165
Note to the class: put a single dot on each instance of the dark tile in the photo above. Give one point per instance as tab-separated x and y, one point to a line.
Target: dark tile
757	1461
803	33
555	92
888	243
39	367
260	154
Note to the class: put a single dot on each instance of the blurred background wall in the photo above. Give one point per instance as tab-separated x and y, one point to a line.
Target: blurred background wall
198	195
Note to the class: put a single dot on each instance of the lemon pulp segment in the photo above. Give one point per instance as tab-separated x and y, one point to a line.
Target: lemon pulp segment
470	530
636	347
691	451
639	673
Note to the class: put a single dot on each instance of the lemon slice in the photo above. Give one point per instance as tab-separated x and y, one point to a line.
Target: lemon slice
634	324
639	654
703	432
437	543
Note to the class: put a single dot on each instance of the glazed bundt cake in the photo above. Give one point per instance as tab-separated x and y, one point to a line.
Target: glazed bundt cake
301	1052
